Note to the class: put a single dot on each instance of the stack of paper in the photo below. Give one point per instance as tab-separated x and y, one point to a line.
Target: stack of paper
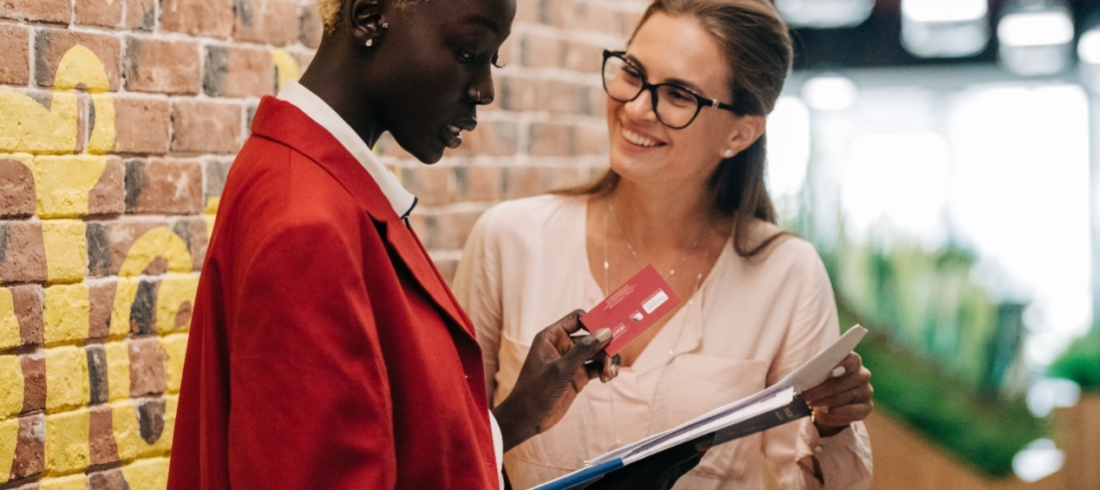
775	405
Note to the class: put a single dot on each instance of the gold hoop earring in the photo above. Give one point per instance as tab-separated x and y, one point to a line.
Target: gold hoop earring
370	42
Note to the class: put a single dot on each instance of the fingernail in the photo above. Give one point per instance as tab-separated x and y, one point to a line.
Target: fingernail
839	371
603	334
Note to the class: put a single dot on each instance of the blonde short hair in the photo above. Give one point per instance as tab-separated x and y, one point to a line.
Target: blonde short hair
332	11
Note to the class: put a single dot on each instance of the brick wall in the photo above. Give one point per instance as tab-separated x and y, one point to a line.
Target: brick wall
118	122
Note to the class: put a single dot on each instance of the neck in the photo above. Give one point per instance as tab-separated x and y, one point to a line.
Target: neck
665	217
328	77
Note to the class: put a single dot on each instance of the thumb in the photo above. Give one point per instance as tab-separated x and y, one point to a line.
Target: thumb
587	347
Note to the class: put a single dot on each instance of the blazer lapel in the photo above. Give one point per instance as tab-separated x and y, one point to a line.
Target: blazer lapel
281	121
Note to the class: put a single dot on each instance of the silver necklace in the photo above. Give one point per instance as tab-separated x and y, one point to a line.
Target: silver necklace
607	291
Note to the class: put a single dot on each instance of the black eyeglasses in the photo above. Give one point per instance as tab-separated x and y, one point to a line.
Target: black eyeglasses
675	106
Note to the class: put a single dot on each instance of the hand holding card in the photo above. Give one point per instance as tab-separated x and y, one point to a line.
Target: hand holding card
632	308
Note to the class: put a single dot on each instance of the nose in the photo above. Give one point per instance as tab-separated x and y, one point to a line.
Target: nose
641	108
482	92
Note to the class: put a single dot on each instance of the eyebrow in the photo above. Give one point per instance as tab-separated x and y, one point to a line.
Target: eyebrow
675	81
484	21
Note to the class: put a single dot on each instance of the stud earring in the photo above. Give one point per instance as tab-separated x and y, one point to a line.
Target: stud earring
727	154
385	25
370	42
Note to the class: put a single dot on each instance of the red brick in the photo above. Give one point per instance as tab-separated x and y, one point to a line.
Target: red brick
596	16
418	221
527	11
433	185
550	139
452	228
102	447
524	181
29	303
583	56
628	21
107	480
540	51
30	447
22	252
108	195
238	72
141	15
210	18
559	13
568	97
97	377
567	176
51	44
304	59
15	64
159	186
194	233
591	141
110	241
523	93
205	127
447	268
52	11
141	125
98	12
479	183
17	195
215	172
597	101
310	26
147	371
34	381
490	138
101	297
266	21
168	67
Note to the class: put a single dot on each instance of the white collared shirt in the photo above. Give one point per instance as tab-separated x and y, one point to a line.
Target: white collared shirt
400	198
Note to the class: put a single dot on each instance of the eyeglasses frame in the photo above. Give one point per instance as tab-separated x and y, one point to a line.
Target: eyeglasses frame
652	88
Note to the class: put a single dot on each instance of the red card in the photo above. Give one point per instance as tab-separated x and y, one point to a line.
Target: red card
632	308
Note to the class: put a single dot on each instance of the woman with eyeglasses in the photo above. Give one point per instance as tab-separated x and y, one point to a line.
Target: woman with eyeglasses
686	108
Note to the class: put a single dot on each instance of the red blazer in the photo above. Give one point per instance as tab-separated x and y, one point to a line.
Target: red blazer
326	352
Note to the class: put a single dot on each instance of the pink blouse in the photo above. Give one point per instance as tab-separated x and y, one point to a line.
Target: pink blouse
750	323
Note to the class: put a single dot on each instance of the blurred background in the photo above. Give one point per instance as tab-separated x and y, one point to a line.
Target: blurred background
942	156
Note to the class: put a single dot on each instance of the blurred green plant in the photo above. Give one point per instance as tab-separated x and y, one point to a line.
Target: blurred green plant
980	429
1080	363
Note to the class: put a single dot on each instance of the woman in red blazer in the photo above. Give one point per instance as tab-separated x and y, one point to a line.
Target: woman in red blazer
325	350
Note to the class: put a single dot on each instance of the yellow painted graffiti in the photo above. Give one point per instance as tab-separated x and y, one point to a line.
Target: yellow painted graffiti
67	448
149	474
73	482
11	387
158	242
65	318
118	370
9	431
66	379
131	445
42	130
286	67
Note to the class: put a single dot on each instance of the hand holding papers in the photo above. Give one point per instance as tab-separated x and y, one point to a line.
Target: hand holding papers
776	405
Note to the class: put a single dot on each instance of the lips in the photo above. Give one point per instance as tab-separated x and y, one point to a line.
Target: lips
452	133
639	139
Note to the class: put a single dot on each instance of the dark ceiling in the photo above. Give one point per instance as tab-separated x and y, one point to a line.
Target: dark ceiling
876	42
